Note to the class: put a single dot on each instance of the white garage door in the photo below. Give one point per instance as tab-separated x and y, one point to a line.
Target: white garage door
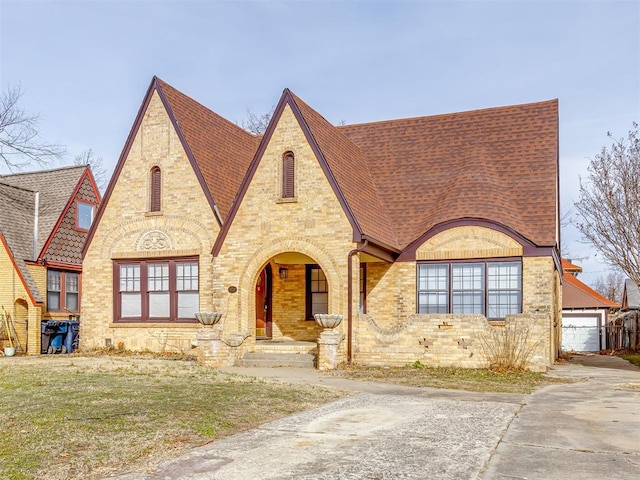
580	334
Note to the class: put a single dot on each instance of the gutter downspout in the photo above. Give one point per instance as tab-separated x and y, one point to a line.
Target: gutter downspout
350	298
35	224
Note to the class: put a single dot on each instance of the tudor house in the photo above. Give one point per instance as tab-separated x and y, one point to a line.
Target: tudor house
45	217
427	234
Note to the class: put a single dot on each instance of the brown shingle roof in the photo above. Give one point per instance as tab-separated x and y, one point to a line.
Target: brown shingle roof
17	209
55	187
497	164
352	175
221	149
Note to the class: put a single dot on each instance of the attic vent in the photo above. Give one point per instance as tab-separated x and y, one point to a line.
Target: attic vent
288	175
155	203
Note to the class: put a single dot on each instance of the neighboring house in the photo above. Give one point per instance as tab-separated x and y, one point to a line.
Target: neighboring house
584	313
44	220
426	234
626	326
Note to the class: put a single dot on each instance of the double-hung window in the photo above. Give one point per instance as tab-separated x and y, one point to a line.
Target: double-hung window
63	291
156	290
317	291
493	289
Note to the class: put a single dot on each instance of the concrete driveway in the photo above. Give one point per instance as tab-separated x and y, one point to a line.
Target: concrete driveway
584	430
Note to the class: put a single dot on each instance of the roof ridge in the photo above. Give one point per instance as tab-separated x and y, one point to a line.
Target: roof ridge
49	170
448	114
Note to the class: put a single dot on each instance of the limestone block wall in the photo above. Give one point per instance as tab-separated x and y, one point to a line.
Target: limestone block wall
185	226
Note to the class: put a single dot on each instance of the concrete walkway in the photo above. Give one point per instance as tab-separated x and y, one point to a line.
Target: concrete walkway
589	429
585	430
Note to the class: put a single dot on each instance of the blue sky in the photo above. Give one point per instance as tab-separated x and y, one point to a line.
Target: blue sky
85	65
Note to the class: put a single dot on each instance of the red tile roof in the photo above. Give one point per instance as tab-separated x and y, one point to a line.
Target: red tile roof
576	294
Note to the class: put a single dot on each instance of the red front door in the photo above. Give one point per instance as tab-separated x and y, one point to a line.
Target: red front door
263	304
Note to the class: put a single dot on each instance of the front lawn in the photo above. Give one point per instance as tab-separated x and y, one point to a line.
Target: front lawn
476	380
72	417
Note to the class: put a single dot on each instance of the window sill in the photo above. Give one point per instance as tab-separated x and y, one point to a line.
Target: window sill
135	324
153	214
287	200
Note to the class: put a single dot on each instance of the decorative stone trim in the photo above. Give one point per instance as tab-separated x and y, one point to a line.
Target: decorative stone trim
469	242
154	240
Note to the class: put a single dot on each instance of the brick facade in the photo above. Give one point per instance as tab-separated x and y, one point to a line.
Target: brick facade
266	228
186	224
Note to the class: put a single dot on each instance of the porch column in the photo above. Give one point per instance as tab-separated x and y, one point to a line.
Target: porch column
329	353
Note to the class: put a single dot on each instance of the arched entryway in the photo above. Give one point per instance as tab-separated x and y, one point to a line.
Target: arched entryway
263	296
289	289
20	323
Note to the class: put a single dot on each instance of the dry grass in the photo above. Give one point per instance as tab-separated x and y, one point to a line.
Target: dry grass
476	380
71	417
632	358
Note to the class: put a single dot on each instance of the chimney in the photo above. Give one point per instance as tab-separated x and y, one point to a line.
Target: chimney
35	224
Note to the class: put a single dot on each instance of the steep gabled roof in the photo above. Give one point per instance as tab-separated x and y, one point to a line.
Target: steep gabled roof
221	149
352	175
499	164
17	213
576	294
56	187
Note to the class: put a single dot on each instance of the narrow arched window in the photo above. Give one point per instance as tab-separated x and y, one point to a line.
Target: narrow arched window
288	175
156	190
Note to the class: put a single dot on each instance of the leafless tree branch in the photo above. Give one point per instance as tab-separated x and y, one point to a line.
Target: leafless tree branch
20	143
609	204
87	157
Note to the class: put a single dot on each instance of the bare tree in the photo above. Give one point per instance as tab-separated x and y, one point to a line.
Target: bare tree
87	157
20	143
609	204
257	124
610	286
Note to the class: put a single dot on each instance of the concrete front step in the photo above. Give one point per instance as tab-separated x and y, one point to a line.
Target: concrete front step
268	359
285	346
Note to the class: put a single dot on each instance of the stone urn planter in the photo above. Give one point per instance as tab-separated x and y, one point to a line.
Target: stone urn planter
208	319
328	321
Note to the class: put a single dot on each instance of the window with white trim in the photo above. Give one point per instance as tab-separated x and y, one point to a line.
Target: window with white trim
84	215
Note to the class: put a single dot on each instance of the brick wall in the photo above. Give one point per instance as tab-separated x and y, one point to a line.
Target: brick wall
313	224
392	333
15	300
186	222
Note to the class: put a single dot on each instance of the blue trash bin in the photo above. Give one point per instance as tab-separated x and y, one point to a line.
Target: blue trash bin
60	329
72	336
